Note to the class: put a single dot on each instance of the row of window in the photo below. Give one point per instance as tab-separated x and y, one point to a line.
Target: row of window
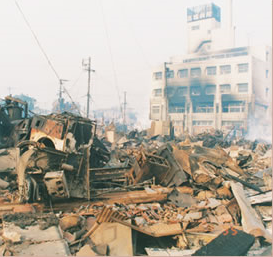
200	109
237	124
202	123
227	107
196	90
196	72
224	123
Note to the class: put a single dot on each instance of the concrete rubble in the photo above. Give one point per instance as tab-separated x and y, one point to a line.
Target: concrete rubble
68	191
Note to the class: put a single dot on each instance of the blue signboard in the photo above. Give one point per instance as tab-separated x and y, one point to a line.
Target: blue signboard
204	12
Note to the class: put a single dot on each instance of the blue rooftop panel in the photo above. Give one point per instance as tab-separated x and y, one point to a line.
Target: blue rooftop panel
206	11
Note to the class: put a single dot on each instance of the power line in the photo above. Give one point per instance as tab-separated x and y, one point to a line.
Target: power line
110	51
37	41
77	80
135	38
46	56
72	100
71	87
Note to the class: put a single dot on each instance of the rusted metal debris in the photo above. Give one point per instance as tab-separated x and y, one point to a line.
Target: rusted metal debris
177	193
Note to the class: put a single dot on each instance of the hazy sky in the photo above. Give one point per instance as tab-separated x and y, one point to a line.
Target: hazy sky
140	33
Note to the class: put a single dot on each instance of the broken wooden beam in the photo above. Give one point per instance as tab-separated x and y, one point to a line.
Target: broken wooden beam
251	186
251	222
261	198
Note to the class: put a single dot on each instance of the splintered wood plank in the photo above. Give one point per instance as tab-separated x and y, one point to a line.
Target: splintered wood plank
261	198
135	196
162	229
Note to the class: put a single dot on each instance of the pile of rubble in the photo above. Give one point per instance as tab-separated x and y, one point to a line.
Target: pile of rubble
135	194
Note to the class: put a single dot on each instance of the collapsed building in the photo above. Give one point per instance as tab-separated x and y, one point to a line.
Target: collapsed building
216	85
138	195
69	191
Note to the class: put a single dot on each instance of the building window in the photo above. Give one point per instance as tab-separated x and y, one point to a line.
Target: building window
170	91
211	70
195	72
202	123
195	27
170	74
182	73
266	92
155	109
182	91
225	69
266	55
195	90
203	107
243	88
210	89
266	73
225	88
243	67
158	75
158	92
237	124
235	106
176	109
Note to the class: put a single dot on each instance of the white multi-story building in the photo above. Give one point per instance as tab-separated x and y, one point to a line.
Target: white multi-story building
216	85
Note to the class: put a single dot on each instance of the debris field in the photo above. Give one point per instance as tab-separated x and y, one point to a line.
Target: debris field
70	187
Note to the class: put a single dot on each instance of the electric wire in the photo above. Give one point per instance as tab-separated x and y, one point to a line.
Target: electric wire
72	100
110	51
44	53
130	28
77	80
37	41
74	84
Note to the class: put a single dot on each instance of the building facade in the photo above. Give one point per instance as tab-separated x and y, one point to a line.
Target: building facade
216	85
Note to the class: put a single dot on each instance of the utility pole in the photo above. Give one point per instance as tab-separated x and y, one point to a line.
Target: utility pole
61	94
60	90
164	114
88	89
124	111
88	69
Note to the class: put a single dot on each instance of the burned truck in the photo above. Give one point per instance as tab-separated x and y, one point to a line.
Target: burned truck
63	158
55	159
